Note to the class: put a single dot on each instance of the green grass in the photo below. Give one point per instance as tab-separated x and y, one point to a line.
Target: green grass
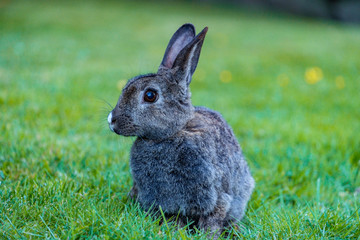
65	175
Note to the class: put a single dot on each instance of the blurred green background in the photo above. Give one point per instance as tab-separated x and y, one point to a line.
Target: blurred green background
288	86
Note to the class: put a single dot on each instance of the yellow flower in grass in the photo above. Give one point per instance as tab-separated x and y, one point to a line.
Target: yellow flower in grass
313	75
339	82
121	83
283	80
225	76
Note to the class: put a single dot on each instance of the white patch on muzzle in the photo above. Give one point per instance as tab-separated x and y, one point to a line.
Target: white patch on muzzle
109	121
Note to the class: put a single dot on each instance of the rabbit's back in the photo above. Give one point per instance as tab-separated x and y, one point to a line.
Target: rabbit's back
191	171
233	175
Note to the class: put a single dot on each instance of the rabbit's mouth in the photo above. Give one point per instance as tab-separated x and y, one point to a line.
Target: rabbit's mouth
121	126
116	131
123	132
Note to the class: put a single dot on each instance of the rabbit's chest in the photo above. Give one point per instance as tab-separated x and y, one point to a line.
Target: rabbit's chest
167	178
160	175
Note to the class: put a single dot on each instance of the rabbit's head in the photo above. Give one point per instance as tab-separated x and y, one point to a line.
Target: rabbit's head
156	106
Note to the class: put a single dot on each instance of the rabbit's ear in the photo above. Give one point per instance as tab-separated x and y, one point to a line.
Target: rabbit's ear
188	58
183	36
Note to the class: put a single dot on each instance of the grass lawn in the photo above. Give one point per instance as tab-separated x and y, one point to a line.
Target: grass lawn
289	87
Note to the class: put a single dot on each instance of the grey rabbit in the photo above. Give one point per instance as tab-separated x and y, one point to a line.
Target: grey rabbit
185	159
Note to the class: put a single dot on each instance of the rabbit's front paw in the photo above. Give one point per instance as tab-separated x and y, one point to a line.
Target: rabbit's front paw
133	193
214	222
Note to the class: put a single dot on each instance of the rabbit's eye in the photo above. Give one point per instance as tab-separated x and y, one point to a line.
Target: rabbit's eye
150	96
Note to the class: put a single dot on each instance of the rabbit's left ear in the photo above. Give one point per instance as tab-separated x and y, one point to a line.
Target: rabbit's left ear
183	52
188	58
183	36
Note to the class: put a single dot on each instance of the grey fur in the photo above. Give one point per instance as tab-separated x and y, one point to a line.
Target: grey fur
186	159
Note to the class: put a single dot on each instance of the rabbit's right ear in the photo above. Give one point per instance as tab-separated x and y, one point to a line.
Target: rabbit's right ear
183	36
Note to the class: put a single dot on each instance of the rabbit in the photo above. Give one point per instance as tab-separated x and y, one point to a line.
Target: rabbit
185	160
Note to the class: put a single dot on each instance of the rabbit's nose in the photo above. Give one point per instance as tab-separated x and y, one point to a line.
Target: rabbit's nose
109	119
